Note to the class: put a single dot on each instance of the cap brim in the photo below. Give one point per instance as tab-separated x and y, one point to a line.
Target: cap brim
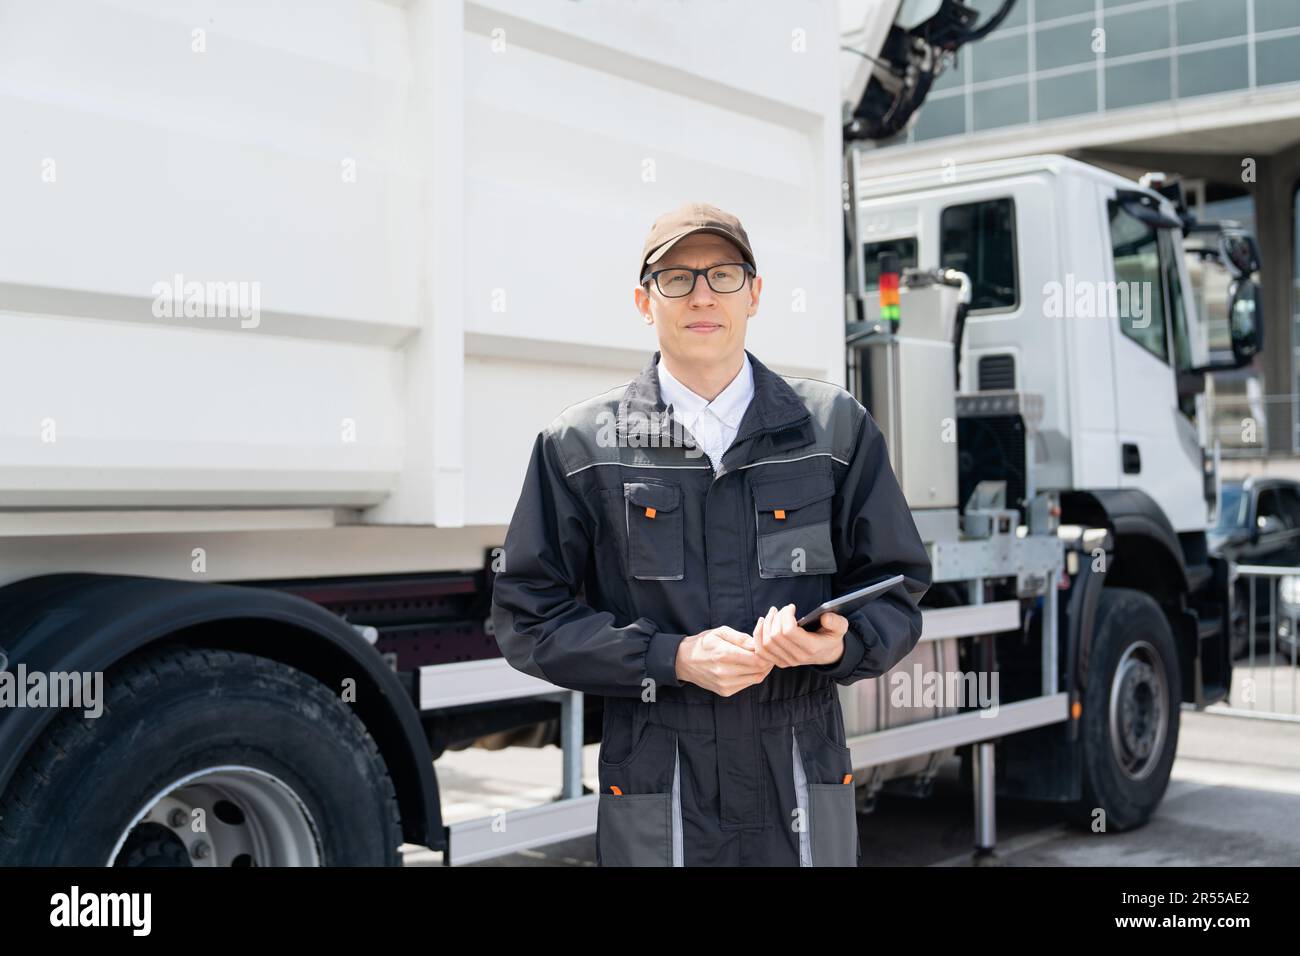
659	253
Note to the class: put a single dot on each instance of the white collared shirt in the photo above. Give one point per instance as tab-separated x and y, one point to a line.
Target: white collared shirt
713	423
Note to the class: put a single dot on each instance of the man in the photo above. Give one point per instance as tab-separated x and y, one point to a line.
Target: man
669	533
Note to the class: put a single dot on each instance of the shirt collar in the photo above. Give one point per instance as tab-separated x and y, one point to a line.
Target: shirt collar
775	407
729	405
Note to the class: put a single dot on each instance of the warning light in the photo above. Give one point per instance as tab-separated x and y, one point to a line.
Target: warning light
889	288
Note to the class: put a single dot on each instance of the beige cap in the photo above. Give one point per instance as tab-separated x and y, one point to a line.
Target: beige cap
686	219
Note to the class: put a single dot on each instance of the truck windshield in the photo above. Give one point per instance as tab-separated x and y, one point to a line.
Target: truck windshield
1232	508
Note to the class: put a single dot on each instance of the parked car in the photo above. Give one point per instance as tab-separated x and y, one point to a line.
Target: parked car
1259	523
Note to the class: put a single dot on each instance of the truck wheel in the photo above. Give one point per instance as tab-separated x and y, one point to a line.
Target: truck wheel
1130	712
204	758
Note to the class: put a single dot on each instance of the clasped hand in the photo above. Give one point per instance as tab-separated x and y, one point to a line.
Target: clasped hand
725	660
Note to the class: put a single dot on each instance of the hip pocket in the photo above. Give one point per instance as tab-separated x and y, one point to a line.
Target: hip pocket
639	812
833	820
823	785
634	829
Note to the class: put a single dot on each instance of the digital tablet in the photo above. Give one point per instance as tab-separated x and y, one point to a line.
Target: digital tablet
848	603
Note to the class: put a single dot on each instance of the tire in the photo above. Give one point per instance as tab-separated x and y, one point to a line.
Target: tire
283	770
1128	750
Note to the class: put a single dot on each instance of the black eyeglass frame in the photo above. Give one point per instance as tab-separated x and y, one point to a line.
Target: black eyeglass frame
696	273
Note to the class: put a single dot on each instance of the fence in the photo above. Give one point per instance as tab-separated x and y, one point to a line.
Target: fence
1265	613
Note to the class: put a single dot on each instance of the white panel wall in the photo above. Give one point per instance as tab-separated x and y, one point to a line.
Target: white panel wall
138	150
397	184
584	122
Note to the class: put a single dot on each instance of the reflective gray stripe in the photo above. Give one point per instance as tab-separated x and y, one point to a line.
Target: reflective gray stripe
801	801
628	464
782	461
752	464
678	851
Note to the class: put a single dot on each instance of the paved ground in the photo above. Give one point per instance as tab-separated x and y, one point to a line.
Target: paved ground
1268	683
1233	799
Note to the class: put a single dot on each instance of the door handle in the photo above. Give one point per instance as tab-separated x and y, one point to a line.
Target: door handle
1132	459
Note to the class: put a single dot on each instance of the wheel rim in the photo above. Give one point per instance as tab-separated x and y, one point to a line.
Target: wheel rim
250	818
1139	717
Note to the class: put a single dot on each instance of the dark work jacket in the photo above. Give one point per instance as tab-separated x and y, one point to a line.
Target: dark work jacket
624	540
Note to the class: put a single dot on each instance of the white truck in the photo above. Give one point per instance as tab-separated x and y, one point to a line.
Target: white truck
1081	362
286	305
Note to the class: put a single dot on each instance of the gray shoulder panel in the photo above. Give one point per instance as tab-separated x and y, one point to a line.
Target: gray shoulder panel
836	414
585	433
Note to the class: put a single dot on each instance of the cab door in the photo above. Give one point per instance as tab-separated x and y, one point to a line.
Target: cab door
1159	451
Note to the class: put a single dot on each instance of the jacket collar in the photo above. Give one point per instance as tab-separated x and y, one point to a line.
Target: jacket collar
775	404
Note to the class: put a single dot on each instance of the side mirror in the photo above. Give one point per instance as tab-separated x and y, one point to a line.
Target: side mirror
1268	524
1240	253
1244	321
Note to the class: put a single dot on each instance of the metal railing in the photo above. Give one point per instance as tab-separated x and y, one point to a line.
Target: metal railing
1266	610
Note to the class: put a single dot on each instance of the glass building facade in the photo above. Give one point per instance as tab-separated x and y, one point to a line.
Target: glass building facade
1056	59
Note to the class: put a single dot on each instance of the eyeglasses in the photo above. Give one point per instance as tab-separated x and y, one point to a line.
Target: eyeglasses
722	278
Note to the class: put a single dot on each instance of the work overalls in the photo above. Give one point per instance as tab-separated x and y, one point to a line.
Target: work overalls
625	540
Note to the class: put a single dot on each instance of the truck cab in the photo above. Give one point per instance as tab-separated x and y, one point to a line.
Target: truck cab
1079	294
1059	395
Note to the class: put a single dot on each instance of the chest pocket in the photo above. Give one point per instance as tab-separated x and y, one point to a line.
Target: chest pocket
792	523
655	530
